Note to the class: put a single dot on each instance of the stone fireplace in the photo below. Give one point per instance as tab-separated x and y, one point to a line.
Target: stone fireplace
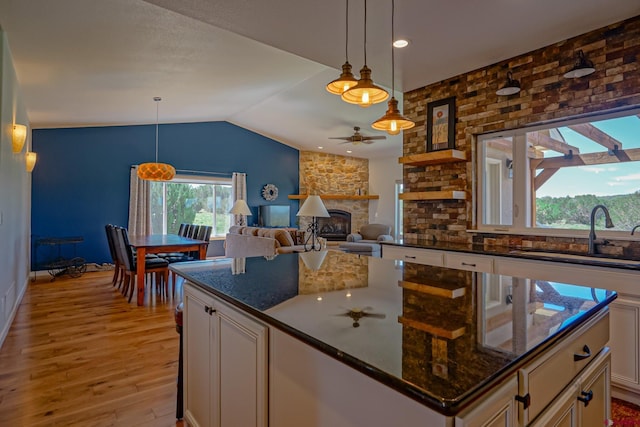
336	227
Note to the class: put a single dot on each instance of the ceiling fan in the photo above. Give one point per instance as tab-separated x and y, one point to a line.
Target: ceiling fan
357	313
358	138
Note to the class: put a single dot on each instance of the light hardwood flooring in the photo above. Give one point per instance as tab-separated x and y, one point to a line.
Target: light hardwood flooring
78	354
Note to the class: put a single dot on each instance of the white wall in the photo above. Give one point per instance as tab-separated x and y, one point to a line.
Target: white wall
383	174
15	196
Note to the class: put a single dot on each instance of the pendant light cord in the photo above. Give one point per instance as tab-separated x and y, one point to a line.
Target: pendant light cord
393	62
346	37
365	32
157	99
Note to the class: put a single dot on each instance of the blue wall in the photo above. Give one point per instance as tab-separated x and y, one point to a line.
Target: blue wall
81	179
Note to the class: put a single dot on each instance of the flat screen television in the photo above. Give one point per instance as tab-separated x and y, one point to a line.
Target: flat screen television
273	215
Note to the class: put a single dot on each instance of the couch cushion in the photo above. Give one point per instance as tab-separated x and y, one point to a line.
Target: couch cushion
282	236
250	231
263	232
236	229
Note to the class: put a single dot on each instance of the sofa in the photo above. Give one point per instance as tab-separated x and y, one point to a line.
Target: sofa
367	239
244	241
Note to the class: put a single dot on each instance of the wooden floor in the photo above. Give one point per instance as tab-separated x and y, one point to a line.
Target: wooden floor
78	354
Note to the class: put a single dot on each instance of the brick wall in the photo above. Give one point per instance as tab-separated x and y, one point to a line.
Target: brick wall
546	95
323	173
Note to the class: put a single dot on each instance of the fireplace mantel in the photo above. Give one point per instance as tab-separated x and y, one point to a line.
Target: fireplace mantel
337	196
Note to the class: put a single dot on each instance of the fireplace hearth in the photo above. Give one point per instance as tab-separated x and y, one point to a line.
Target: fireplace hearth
336	227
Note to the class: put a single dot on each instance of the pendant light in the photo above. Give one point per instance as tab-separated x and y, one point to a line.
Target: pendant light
393	122
365	93
156	171
346	79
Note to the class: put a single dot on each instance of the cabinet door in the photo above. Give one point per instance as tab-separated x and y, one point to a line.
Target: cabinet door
496	410
240	369
197	342
625	343
563	412
594	397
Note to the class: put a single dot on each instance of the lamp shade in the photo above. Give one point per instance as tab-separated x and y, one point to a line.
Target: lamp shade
18	138
156	171
582	67
313	259
344	82
393	122
313	206
511	86
365	93
30	160
240	207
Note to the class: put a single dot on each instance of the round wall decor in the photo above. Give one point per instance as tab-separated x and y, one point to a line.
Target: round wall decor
270	192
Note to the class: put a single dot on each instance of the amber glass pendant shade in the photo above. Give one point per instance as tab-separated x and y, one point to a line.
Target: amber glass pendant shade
393	122
344	82
365	93
156	172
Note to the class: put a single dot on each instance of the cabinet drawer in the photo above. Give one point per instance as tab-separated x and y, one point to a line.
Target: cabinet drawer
544	379
419	256
469	262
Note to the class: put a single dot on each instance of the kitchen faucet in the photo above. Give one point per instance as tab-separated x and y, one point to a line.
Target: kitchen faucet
592	233
634	229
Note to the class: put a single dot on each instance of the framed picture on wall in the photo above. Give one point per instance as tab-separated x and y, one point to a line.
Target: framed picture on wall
441	124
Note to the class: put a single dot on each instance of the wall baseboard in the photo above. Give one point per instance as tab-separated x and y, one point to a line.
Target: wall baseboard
14	311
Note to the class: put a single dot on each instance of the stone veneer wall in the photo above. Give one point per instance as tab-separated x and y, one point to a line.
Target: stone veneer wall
323	173
546	95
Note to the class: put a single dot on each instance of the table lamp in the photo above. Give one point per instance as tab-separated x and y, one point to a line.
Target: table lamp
241	208
314	208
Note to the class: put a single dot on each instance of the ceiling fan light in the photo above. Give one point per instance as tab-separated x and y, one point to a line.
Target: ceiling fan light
365	93
344	82
393	122
582	67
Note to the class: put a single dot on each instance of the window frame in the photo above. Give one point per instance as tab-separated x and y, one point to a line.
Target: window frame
522	194
192	179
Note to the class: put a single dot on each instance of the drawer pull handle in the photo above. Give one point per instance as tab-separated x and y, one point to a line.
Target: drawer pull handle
468	264
586	397
410	257
585	355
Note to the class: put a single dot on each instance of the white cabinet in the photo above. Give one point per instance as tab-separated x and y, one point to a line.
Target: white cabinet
469	262
497	410
225	364
586	402
625	344
417	255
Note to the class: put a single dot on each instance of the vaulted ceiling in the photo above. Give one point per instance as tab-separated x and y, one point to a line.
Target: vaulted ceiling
263	64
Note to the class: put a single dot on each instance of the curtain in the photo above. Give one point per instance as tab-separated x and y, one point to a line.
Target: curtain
239	190
139	204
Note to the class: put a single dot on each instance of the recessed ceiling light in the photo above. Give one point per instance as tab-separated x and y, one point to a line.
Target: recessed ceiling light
400	43
320	147
349	151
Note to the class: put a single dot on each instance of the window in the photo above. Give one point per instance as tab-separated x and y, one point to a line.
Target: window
548	179
191	200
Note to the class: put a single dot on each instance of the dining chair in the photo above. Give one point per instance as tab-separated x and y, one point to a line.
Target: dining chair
158	266
117	268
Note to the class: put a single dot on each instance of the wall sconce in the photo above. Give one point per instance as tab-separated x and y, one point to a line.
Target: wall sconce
18	137
510	87
582	67
30	160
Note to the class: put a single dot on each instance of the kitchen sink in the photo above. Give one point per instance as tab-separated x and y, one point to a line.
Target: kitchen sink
596	259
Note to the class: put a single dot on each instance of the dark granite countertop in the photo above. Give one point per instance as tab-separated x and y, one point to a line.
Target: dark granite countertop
597	260
440	336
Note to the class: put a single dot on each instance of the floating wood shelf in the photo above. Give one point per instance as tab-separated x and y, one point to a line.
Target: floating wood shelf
434	195
336	196
434	158
453	290
439	331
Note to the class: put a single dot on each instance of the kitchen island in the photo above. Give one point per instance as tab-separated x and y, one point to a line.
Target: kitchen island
335	339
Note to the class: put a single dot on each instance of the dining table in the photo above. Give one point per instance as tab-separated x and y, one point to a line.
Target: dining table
161	243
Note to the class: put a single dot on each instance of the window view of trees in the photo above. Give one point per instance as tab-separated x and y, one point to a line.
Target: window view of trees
560	173
174	203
